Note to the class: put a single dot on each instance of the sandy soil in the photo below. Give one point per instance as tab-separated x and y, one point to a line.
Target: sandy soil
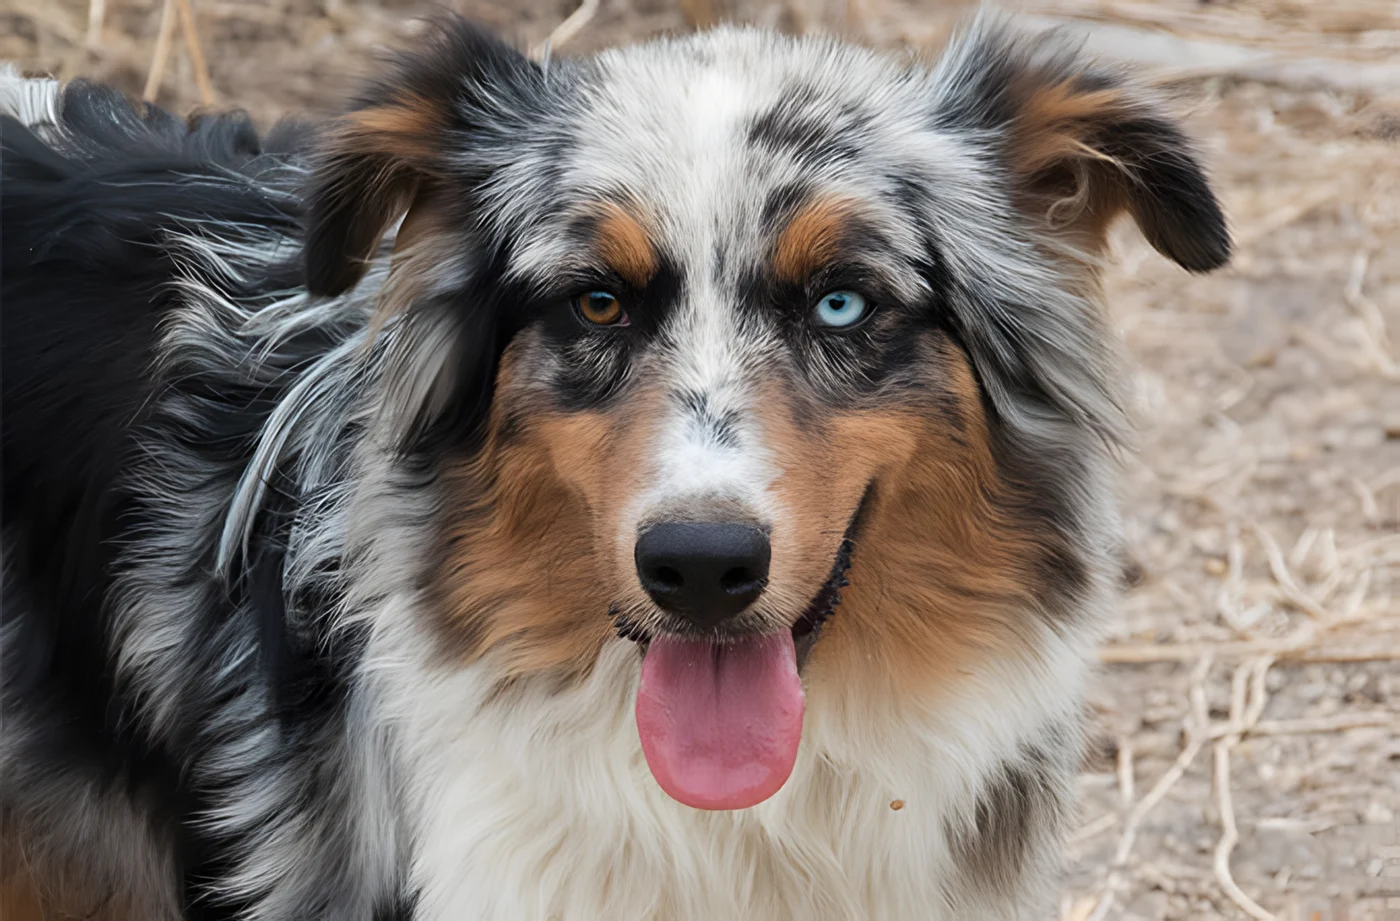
1252	679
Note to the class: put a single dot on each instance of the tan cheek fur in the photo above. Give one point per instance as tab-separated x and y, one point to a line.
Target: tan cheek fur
27	896
941	575
530	564
825	467
19	899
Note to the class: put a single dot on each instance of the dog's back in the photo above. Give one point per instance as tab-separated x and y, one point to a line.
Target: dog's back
91	186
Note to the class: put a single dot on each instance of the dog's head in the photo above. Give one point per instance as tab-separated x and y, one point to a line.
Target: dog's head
695	333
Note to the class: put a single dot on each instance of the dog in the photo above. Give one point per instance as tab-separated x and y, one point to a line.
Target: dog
675	483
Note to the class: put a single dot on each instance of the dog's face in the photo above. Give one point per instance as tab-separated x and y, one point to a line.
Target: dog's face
695	333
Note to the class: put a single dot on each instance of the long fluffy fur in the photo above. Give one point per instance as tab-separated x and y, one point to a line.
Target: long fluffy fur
231	409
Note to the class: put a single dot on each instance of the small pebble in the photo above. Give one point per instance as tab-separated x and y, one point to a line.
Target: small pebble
1262	358
1378	814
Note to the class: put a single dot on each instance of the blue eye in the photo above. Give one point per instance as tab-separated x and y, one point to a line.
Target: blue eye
840	309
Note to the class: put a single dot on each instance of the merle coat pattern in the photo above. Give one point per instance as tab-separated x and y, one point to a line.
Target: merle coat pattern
320	493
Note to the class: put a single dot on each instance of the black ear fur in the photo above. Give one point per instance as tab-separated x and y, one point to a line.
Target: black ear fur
353	200
397	133
1080	141
1167	191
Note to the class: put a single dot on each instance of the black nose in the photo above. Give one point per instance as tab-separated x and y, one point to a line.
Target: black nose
704	571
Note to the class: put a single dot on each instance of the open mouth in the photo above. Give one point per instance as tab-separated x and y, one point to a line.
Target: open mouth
720	720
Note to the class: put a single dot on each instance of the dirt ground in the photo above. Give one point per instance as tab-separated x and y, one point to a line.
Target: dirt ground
1251	687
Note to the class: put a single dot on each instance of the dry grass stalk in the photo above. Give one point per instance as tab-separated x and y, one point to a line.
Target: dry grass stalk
1340	723
161	55
1076	909
1177	58
566	30
1249	675
196	52
1284	577
1096	827
97	13
183	11
1134	654
1197	732
1371	333
699	14
1125	772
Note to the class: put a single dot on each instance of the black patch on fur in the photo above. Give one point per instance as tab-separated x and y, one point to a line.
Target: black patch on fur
782	203
84	293
482	324
1168	192
1020	810
404	907
807	128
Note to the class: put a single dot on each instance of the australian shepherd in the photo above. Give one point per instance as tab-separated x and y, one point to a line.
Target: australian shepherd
675	483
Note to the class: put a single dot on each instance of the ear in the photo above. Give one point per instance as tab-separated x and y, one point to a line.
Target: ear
398	137
1083	145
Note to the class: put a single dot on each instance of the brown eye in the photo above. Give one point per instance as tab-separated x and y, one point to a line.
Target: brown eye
600	308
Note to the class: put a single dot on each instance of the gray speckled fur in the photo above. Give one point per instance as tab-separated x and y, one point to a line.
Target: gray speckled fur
678	127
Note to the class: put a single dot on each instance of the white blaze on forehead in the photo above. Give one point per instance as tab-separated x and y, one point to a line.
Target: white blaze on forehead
710	448
682	152
716	106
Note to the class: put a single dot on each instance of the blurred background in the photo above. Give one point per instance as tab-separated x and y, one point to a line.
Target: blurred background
1246	760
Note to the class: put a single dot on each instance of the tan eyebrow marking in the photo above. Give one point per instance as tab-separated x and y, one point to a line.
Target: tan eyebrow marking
623	243
812	238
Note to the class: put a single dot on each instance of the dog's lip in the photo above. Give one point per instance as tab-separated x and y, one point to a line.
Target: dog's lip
806	630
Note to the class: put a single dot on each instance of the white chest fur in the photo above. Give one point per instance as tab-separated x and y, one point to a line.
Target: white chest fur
536	803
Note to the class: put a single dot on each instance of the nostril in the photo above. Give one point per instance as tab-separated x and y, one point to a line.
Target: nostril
739	579
667	579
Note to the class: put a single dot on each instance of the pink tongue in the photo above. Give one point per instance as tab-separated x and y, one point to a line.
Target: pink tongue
720	723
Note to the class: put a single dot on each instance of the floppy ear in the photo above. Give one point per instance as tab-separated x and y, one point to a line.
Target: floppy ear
1083	145
397	139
